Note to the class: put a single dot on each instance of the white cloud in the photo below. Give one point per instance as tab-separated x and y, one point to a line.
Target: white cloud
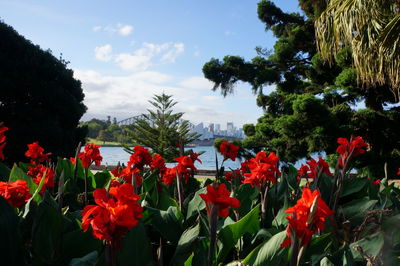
103	53
124	30
229	33
149	54
173	53
119	28
196	82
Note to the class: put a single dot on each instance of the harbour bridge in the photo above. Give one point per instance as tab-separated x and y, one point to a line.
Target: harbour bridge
132	120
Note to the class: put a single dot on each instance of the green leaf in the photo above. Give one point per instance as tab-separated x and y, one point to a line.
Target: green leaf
353	185
230	234
65	165
185	245
269	253
76	244
17	173
196	204
326	262
167	223
356	209
280	218
188	262
88	260
166	201
47	230
370	245
136	250
102	178
9	240
247	195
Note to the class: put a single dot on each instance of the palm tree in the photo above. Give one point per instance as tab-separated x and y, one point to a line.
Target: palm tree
372	29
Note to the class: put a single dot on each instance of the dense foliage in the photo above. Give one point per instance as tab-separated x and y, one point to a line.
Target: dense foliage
313	103
148	214
39	98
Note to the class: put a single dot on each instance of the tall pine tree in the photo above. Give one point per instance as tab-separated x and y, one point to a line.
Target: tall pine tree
163	131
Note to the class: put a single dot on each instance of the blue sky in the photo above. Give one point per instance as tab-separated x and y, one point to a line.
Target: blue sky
125	51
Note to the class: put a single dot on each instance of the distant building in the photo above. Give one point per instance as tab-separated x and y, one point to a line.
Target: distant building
217	128
211	128
230	128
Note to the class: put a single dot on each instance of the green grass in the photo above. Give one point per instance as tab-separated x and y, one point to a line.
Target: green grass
99	142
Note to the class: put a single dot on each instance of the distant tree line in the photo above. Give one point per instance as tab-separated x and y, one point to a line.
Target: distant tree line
105	130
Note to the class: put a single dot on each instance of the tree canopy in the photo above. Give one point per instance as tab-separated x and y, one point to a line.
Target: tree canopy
40	100
314	102
162	130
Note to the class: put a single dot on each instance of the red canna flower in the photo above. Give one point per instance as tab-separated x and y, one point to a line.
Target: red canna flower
314	168
232	175
349	149
262	168
185	167
2	140
194	156
37	172
398	171
158	162
140	157
128	172
228	150
113	215
219	198
117	171
376	182
16	193
36	153
169	176
90	155
307	217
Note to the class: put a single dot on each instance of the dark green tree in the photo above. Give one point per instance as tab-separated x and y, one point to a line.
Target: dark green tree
313	102
40	100
163	131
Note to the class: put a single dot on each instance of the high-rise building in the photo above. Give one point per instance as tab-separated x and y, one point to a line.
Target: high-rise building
217	128
211	127
230	128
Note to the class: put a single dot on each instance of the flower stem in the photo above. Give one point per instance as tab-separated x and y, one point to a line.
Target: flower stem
213	220
110	255
86	186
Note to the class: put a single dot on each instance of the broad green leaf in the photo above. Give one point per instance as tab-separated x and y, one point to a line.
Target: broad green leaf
35	197
247	195
353	185
196	204
136	250
88	260
17	173
47	230
166	201
185	245
78	244
326	262
65	165
230	234
9	240
269	253
188	262
102	178
167	223
356	209
370	245
280	218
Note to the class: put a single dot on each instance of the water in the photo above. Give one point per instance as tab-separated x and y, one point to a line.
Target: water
113	155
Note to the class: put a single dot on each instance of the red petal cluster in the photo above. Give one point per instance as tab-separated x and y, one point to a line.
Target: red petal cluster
90	155
195	157
233	175
140	157
315	169
158	162
114	214
2	140
219	198
349	149
128	172
169	176
228	150
185	167
36	153
262	168
37	172
307	217
16	193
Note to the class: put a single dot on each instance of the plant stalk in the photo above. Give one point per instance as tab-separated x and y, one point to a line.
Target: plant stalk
213	220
